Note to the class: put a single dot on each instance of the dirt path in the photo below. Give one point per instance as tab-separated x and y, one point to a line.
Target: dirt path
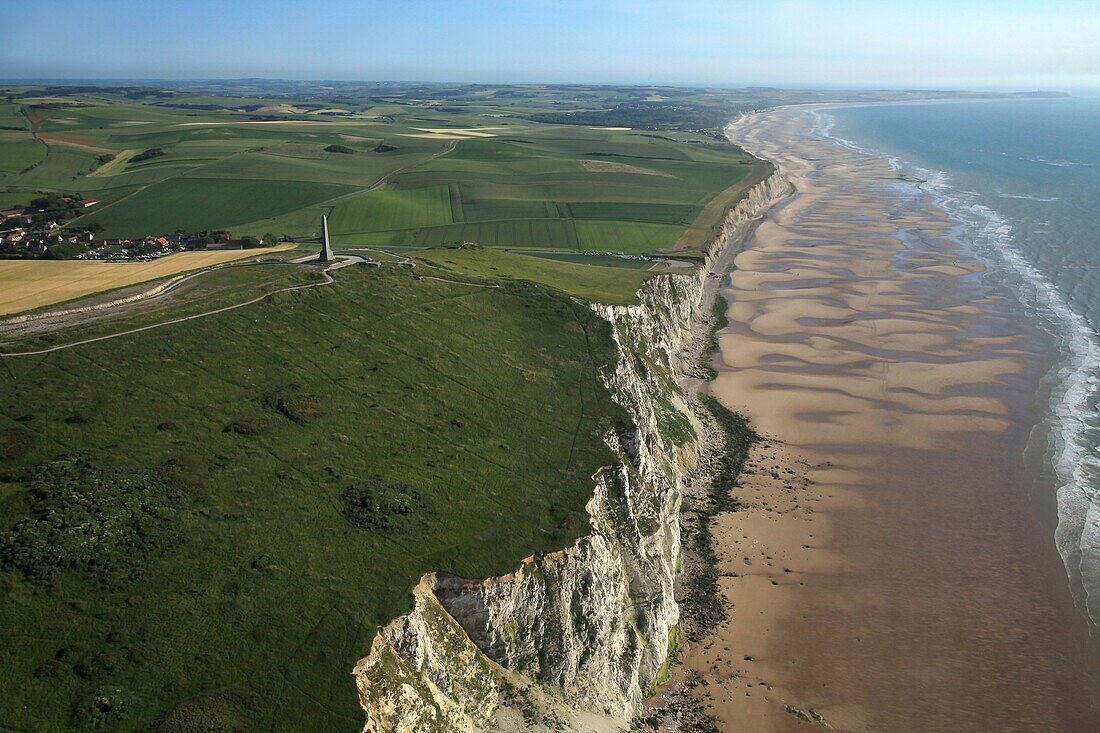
327	281
342	261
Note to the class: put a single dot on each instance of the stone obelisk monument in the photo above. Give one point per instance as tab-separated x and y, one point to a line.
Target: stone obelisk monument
326	246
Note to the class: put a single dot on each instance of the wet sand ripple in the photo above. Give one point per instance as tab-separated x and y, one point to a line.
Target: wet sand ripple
889	571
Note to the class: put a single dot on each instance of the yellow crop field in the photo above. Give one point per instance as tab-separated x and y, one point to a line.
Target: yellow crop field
29	284
116	165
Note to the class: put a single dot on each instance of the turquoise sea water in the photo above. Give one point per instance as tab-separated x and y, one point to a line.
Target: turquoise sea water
1023	178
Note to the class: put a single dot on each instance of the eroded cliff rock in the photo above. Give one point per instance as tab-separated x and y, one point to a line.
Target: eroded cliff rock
571	640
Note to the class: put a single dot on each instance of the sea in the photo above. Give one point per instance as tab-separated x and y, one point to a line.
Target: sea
1023	179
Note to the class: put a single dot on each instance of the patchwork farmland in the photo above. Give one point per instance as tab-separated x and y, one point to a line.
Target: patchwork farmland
387	173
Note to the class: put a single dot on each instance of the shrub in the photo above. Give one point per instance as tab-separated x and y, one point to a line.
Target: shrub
293	404
15	443
339	149
216	712
102	708
103	523
147	155
374	504
106	662
244	427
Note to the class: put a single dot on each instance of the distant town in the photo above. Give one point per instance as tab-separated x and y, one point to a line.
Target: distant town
37	231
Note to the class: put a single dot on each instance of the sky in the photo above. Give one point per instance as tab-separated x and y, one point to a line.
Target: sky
986	44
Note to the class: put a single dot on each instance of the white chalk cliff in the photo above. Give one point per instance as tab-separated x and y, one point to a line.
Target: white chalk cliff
571	640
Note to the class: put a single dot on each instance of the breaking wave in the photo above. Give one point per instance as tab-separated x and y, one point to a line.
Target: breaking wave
1023	197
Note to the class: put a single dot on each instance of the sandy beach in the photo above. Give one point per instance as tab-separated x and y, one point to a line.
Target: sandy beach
889	572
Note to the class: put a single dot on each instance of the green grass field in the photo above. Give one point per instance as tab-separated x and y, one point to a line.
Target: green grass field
18	151
627	236
597	282
308	458
551	233
391	209
192	204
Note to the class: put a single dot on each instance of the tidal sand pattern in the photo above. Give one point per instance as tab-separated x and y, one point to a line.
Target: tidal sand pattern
889	571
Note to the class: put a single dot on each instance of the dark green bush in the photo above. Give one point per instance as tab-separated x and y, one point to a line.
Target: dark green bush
216	712
102	708
375	504
245	427
147	155
293	404
103	523
15	443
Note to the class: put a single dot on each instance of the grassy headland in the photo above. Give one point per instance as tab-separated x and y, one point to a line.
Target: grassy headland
202	525
308	458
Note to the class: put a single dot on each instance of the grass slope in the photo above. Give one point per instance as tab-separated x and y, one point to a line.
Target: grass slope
303	461
596	283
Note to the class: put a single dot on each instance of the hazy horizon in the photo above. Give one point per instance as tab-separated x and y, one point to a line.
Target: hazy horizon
971	44
735	85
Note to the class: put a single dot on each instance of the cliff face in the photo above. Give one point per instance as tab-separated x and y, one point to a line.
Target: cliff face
573	639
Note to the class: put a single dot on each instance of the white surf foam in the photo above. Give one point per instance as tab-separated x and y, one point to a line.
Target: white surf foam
1023	197
1057	163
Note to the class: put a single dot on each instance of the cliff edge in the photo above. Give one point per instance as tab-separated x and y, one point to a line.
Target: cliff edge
572	640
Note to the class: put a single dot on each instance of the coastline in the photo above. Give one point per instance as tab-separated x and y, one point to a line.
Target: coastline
887	572
574	639
1060	463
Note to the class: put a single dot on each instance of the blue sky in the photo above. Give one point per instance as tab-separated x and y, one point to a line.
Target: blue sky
957	43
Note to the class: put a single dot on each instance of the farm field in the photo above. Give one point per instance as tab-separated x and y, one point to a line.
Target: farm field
29	284
18	151
307	458
552	233
235	283
193	204
391	209
389	172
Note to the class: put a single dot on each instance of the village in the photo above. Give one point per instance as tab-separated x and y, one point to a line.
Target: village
37	231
